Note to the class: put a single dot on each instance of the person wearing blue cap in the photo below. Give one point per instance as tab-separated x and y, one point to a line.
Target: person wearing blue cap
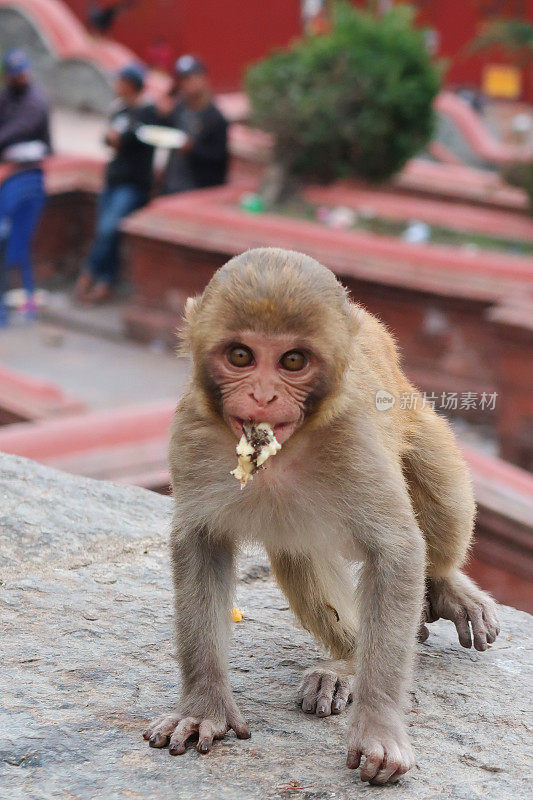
203	160
127	184
24	142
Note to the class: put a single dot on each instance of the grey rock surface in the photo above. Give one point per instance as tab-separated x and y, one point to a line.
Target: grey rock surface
86	661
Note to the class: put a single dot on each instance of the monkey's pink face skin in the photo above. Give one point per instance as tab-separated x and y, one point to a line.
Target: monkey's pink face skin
265	379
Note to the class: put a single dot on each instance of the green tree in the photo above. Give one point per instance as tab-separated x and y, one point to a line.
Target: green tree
513	35
354	102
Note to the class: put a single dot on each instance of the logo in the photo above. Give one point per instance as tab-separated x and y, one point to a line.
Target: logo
384	400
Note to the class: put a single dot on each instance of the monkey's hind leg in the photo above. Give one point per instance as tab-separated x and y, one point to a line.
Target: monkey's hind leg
321	594
441	494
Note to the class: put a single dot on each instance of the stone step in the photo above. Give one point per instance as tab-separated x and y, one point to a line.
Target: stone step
87	660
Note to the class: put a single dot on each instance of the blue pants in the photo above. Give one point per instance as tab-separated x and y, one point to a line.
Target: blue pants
115	203
22	200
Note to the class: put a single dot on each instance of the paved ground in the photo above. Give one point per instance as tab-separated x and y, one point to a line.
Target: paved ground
107	371
79	133
102	372
86	633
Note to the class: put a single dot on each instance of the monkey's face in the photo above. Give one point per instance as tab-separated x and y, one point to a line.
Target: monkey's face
265	378
270	340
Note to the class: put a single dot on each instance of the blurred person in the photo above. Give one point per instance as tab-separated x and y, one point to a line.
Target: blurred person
24	142
203	160
127	184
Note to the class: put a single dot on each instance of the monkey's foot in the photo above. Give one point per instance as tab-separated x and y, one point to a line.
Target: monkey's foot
458	599
382	741
176	729
326	689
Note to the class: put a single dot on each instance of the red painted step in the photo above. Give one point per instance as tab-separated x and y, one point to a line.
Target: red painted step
25	398
50	440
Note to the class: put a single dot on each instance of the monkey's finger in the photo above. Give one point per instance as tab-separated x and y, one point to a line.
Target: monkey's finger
428	615
478	628
423	633
373	762
353	759
310	682
343	695
391	764
309	692
432	615
325	695
159	733
491	624
460	620
184	731
239	725
402	769
206	734
168	721
158	739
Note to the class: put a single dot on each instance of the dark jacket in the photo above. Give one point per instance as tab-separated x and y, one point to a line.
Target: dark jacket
206	164
132	162
23	117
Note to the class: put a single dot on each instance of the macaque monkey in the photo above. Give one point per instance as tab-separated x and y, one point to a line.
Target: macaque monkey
274	338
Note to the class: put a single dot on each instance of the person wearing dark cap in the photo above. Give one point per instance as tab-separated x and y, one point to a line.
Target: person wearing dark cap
203	160
24	142
128	181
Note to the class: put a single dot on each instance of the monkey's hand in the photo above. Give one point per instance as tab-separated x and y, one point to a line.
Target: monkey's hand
208	720
326	689
380	737
458	599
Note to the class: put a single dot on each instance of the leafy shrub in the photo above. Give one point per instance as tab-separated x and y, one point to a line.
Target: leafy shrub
356	101
515	36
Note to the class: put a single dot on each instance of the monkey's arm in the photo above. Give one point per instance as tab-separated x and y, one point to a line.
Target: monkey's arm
203	572
390	593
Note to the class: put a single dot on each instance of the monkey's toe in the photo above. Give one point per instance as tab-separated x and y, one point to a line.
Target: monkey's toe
160	730
323	692
184	730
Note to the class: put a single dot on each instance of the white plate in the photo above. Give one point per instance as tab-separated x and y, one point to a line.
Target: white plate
161	136
25	152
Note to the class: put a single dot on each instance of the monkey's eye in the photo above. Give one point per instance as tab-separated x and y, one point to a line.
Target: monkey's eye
240	356
293	361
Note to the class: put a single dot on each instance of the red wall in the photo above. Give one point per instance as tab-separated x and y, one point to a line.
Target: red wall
226	34
458	22
229	34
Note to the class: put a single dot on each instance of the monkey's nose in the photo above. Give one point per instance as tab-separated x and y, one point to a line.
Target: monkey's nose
263	398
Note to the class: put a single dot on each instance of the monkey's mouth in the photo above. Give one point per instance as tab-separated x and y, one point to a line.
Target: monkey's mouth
282	430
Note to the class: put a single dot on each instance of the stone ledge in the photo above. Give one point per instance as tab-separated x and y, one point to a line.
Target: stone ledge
86	611
210	220
25	398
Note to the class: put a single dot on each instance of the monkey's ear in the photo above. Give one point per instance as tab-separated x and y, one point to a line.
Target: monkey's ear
191	304
184	330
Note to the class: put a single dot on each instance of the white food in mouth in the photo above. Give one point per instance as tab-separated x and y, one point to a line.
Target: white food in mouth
256	444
